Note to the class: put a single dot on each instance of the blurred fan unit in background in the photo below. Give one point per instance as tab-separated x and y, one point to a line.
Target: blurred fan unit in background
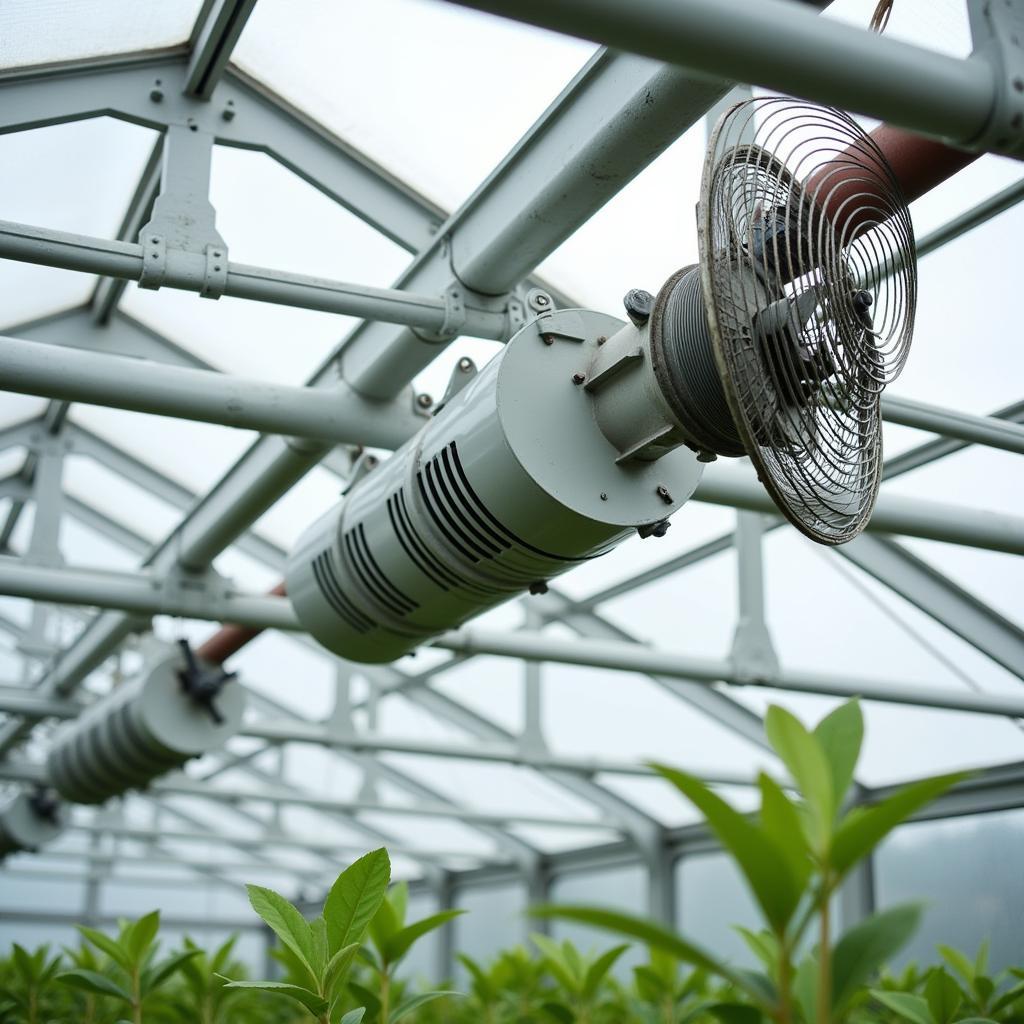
29	821
178	708
585	429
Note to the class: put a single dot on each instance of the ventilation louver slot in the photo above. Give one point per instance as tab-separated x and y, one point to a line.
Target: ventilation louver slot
327	580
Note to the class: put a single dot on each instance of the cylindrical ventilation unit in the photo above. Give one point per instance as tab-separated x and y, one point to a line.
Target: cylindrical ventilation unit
508	486
29	821
174	710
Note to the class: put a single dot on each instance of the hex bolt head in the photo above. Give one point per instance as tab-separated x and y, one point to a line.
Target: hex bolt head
639	305
424	401
662	492
604	496
465	364
578	378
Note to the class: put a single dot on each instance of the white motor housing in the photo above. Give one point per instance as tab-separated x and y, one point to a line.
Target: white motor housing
28	821
148	726
527	471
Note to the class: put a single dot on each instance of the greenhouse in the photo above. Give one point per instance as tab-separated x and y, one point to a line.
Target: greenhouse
510	511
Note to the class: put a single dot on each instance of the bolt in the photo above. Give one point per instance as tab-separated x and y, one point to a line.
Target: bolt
638	305
578	378
662	492
228	113
424	401
604	497
705	456
156	95
601	340
465	365
541	300
548	339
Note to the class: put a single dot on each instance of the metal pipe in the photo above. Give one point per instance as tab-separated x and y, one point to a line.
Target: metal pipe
984	430
912	517
183	786
188	271
336	414
972	218
783	46
231	637
636	658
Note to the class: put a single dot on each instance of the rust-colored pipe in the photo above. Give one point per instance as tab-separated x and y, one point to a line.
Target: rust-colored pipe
231	638
918	164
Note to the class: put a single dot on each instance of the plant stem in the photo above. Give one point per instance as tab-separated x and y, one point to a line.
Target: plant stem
825	957
385	986
136	998
785	983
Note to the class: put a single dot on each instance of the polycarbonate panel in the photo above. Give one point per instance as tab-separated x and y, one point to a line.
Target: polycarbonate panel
619	888
967	873
420	963
47	31
436	94
495	919
711	900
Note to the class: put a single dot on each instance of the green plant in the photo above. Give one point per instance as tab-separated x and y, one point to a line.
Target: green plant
137	974
579	976
32	974
322	950
392	939
207	998
511	988
793	856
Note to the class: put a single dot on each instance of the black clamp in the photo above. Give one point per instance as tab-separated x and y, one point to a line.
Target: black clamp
202	683
45	804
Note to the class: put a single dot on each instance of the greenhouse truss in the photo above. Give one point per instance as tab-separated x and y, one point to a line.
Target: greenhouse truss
162	454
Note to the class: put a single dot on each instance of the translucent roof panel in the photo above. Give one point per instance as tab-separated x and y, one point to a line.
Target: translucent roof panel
456	90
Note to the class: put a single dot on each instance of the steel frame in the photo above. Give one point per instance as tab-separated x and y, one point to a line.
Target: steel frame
470	274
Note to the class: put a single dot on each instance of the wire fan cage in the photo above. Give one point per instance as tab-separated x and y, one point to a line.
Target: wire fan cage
808	267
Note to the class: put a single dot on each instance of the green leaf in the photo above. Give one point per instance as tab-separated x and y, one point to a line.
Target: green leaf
108	946
763	945
365	996
141	936
559	1012
482	984
599	968
841	734
805	987
958	962
802	754
318	935
310	1000
399	943
557	965
415	1002
338	967
286	923
649	984
398	896
764	864
24	963
161	972
864	827
93	981
868	945
355	898
220	958
735	1013
651	934
943	995
906	1005
780	821
1008	998
353	1016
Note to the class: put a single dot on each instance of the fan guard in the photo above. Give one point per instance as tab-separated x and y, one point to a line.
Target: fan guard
808	271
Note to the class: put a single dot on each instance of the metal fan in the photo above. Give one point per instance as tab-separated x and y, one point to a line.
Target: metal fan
808	276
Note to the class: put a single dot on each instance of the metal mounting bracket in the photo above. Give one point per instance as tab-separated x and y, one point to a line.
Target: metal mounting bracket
997	29
215	278
154	260
462	373
184	593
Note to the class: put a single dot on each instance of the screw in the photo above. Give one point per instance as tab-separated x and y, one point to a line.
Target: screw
578	378
604	497
541	300
601	340
465	365
156	95
548	339
662	492
228	113
424	401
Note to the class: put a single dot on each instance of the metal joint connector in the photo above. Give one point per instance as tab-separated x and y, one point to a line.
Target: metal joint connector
997	27
154	260
215	278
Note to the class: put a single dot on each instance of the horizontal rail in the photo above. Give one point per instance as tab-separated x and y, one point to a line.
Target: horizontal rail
140	594
337	414
963	426
784	46
188	271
